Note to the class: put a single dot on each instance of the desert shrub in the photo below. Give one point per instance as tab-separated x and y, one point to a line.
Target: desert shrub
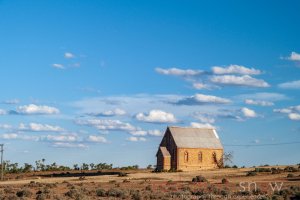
122	174
262	170
243	193
115	193
290	175
172	188
12	197
148	187
225	191
24	193
112	181
136	195
126	181
290	169
275	170
252	173
41	196
234	166
198	192
186	188
8	190
75	194
199	179
100	192
225	180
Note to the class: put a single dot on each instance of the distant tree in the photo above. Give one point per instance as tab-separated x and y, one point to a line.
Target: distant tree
75	167
27	167
225	158
92	165
149	167
85	166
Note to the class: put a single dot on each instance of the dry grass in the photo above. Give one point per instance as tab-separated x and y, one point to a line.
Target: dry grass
147	185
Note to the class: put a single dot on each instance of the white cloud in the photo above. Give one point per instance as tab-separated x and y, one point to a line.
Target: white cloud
9	136
201	125
202	99
136	139
248	112
15	136
290	85
69	55
245	80
110	113
178	72
5	126
291	109
235	69
11	101
155	132
203	117
58	66
36	109
264	96
201	86
104	124
68	145
138	133
294	116
157	116
96	139
61	138
258	102
39	127
3	112
293	112
293	56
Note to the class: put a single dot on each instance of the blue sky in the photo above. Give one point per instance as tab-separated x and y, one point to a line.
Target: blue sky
99	81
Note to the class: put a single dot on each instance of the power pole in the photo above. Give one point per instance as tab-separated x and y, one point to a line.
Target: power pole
2	165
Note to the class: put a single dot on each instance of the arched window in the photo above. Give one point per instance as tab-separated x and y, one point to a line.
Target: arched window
186	156
214	158
200	156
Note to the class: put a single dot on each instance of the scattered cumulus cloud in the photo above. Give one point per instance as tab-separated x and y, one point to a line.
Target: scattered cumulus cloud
248	112
204	117
178	72
290	85
203	86
105	124
199	99
33	109
294	56
5	126
3	112
235	69
61	138
155	132
109	113
58	66
40	127
234	80
293	112
96	139
136	139
138	133
157	116
264	96
258	102
69	55
69	145
11	101
201	125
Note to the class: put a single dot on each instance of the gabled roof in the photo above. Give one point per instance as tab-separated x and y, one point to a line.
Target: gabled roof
164	152
195	137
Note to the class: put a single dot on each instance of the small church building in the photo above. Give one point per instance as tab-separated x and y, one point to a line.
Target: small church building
189	149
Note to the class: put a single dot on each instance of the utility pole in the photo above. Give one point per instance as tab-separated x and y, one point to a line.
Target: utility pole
2	165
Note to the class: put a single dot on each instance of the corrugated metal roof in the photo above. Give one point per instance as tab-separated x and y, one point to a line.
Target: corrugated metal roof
165	152
195	137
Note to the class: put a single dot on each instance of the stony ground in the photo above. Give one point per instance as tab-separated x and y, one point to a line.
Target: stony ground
143	184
